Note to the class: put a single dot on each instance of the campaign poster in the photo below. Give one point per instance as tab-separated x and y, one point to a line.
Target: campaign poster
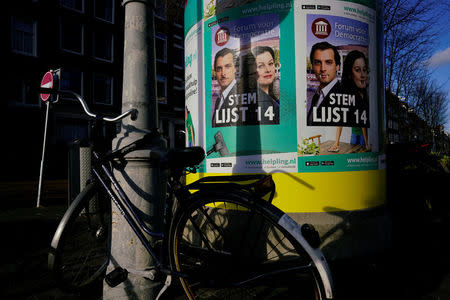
337	72
250	111
341	104
245	72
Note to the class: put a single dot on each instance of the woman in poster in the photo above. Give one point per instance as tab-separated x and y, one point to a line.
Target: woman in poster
265	67
257	77
354	81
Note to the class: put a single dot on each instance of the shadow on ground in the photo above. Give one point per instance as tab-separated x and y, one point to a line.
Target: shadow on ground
415	266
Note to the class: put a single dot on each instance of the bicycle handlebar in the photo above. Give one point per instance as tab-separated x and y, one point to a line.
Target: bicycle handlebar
133	112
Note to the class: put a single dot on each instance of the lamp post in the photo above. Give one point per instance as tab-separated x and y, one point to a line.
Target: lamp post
141	181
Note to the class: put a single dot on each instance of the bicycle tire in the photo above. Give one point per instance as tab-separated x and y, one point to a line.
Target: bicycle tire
79	252
222	239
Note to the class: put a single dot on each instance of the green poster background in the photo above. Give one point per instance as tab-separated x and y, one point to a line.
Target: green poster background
258	139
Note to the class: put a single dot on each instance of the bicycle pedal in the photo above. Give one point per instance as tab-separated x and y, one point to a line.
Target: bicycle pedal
116	277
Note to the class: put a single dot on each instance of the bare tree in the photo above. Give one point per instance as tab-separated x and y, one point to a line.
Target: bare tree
429	101
410	35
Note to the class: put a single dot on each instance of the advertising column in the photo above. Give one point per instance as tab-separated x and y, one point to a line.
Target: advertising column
293	89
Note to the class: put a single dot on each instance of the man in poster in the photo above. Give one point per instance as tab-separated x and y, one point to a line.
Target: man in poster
326	61
224	66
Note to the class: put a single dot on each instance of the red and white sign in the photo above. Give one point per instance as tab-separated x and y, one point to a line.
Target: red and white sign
47	82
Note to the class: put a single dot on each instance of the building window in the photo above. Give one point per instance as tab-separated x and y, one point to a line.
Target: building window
71	80
103	45
103	88
161	89
178	83
77	5
104	9
178	56
161	9
23	36
71	35
179	18
23	93
178	38
161	47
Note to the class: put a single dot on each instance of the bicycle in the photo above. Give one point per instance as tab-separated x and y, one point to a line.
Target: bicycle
223	239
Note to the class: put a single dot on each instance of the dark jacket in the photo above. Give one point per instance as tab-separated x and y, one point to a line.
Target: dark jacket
226	105
269	109
326	103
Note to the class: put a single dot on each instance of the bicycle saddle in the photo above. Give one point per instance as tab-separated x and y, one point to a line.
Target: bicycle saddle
181	158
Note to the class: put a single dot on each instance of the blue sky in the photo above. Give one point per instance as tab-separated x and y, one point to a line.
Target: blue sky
440	65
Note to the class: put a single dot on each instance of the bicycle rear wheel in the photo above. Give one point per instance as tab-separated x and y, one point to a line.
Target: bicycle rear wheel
80	246
232	247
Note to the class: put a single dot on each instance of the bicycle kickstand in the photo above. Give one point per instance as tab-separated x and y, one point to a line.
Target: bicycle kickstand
165	287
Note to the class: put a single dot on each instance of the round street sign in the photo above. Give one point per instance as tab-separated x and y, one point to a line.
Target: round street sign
47	82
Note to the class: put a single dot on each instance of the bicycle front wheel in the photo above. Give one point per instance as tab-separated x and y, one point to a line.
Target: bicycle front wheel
80	246
231	247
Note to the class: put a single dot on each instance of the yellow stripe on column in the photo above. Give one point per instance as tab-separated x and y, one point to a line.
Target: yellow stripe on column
325	192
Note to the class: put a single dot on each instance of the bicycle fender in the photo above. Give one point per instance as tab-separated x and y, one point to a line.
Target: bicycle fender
232	190
317	256
67	215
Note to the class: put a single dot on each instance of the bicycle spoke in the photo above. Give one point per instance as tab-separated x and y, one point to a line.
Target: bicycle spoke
200	234
211	222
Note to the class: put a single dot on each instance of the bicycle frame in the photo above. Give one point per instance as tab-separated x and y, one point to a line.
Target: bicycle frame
123	203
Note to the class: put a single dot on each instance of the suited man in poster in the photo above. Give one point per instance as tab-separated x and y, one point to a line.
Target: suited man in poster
225	68
326	61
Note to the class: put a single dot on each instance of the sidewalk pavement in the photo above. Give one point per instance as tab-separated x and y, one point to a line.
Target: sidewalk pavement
417	267
27	232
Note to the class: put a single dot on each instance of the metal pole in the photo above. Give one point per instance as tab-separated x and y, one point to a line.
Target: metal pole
141	181
43	155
